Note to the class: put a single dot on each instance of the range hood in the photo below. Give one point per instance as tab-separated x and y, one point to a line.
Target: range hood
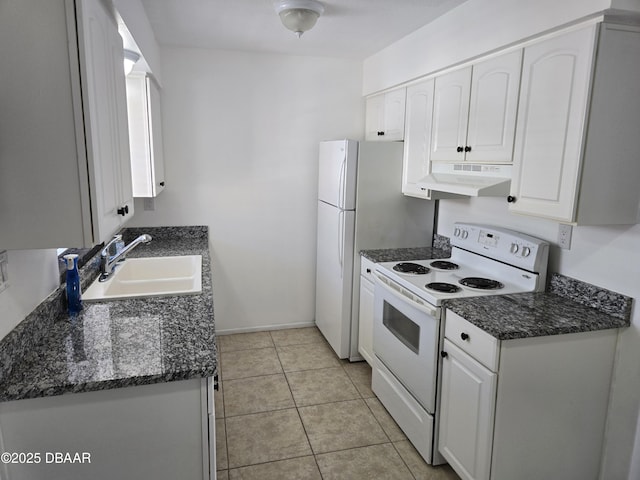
474	180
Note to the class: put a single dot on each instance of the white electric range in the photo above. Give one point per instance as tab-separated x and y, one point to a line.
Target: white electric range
408	330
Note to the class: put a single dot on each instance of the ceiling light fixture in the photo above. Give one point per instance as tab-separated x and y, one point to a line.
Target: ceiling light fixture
299	15
130	59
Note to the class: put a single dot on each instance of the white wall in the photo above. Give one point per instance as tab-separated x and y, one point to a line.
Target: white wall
474	28
241	135
33	275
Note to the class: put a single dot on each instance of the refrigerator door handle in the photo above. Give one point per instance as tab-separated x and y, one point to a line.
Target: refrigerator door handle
341	240
342	184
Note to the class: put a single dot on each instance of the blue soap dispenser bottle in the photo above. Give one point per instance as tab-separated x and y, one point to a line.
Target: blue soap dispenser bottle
74	295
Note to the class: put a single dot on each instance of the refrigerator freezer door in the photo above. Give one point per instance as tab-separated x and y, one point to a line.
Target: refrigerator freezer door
337	173
334	276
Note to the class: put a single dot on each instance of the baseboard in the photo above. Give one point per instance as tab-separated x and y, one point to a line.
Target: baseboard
263	328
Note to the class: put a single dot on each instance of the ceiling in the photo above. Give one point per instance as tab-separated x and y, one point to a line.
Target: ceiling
348	28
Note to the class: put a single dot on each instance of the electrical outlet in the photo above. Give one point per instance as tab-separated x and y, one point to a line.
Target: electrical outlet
4	270
564	235
149	204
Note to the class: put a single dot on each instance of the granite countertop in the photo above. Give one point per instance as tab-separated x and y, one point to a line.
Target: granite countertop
117	343
441	249
403	254
569	306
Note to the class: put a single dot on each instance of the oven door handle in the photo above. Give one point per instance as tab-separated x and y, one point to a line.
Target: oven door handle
384	282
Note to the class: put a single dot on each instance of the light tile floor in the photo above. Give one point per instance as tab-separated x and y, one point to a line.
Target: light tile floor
288	408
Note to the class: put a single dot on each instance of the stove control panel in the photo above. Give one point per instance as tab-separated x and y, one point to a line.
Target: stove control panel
508	246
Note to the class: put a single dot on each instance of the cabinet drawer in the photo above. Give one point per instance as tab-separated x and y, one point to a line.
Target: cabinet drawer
367	268
472	340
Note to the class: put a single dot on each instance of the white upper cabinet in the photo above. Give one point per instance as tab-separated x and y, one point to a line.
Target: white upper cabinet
385	116
145	135
104	91
417	139
66	179
577	130
450	115
475	111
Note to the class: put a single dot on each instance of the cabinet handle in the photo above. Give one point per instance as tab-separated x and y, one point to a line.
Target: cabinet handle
511	199
467	148
444	354
123	210
380	134
464	336
162	184
459	149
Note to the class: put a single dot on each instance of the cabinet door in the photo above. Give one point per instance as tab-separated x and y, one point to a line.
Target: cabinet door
417	142
105	119
145	135
365	320
155	129
394	107
466	414
450	115
495	84
374	121
551	122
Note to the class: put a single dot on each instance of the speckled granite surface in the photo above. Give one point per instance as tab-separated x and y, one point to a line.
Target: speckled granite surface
442	242
554	312
441	249
589	295
399	254
118	343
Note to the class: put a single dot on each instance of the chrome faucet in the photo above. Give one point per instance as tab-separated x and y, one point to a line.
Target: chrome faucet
108	261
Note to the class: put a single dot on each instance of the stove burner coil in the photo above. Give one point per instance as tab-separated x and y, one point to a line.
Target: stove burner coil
481	283
444	265
442	287
411	268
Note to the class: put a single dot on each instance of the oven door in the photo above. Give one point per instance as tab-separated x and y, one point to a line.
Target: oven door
406	332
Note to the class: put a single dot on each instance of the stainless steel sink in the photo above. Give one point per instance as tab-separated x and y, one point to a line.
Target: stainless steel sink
150	277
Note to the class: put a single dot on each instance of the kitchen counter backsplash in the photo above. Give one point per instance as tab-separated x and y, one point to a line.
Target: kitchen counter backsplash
115	343
441	248
442	243
603	300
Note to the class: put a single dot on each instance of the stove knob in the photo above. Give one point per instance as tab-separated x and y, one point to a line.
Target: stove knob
514	248
526	251
456	232
465	233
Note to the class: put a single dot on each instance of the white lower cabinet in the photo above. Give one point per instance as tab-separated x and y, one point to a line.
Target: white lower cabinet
466	417
162	431
365	315
523	409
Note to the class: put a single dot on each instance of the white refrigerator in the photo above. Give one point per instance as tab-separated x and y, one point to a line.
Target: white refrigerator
360	206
